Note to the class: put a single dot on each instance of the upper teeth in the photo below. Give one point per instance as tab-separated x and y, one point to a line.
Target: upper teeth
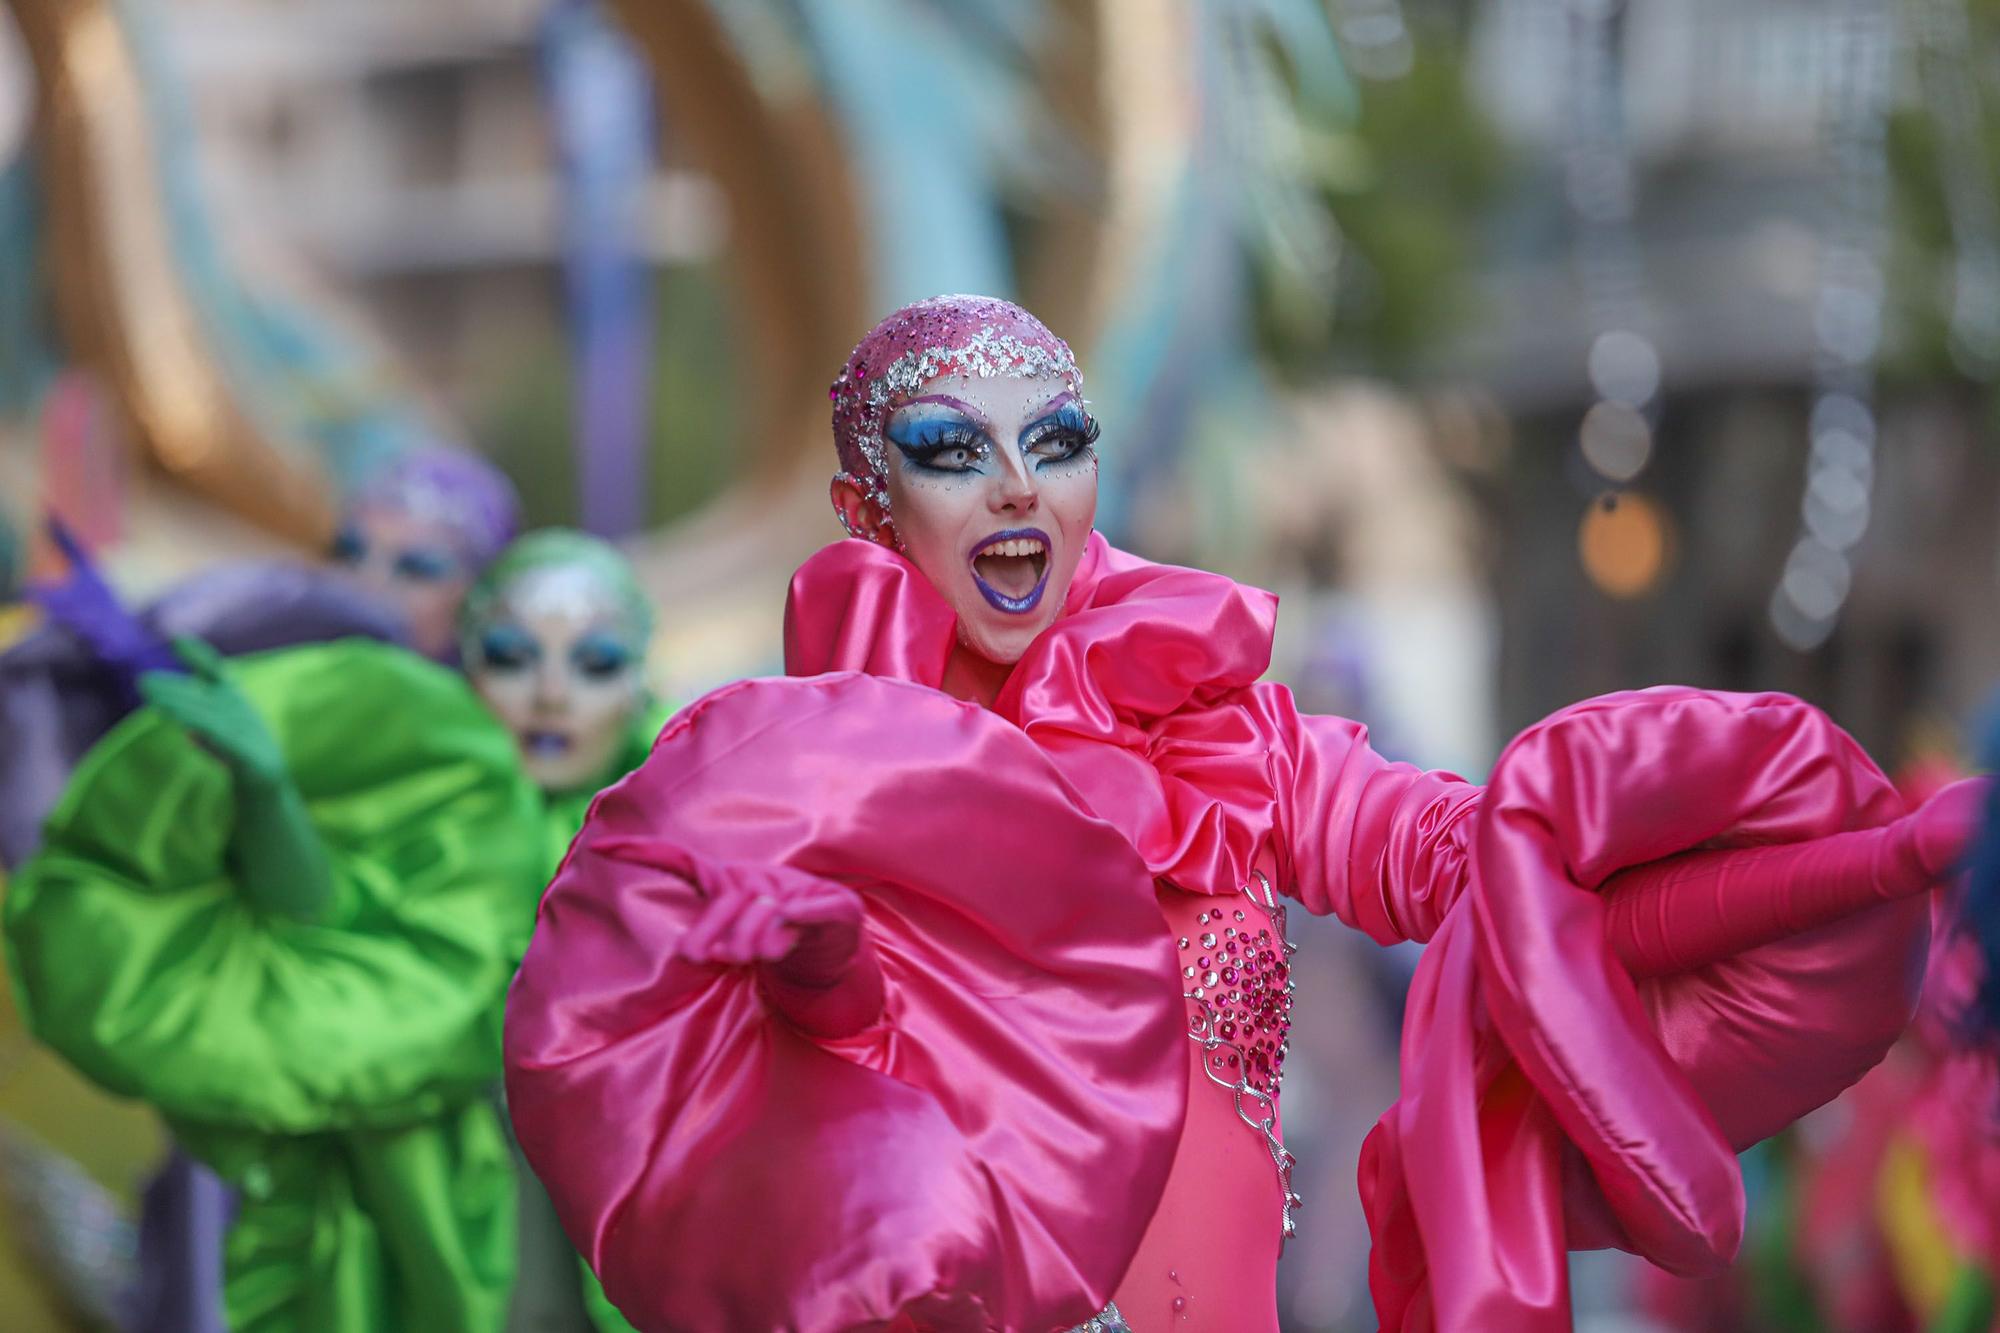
1018	546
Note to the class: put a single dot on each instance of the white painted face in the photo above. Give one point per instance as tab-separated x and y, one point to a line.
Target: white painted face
993	493
556	661
412	563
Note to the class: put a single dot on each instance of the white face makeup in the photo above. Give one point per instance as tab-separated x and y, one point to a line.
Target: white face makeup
993	492
556	662
412	563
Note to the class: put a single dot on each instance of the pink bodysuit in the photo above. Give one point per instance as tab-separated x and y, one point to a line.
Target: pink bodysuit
1066	1098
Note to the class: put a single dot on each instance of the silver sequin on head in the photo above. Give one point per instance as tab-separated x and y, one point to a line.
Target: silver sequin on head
967	335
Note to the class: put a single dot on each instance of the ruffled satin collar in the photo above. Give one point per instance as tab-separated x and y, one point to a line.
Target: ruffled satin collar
1132	691
1136	641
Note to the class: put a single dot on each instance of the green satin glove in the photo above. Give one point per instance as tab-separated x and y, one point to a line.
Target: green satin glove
274	851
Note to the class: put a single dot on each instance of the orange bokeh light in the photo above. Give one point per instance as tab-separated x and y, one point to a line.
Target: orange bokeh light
1625	542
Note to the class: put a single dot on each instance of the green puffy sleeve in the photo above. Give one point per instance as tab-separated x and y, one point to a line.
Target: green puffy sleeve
140	960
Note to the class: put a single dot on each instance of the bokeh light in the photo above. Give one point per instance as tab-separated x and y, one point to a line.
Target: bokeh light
1616	440
1625	542
1624	368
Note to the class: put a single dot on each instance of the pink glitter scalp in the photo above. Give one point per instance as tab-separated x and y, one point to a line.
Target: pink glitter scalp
943	335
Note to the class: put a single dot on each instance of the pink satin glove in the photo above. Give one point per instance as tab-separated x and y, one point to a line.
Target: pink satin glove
1684	912
803	935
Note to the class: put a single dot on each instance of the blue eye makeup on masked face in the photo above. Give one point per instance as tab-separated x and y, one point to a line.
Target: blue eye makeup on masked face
349	547
508	648
600	657
424	564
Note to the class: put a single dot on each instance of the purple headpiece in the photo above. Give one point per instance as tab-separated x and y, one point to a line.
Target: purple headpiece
456	487
965	335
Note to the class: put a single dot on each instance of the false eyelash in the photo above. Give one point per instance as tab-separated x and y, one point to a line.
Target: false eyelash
1073	420
1071	426
924	450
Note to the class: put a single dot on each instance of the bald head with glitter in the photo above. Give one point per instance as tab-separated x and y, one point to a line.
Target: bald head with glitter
979	336
966	447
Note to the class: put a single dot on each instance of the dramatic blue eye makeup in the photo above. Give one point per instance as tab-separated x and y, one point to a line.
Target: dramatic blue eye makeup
508	648
600	657
1060	437
349	547
424	564
940	440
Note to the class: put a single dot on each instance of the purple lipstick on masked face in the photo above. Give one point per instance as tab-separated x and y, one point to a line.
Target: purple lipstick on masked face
1012	569
546	744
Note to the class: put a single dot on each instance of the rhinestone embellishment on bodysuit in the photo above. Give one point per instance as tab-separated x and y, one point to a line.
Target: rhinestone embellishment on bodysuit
1241	1013
1108	1322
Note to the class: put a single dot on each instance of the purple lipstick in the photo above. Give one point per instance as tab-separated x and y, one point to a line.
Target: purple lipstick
1012	569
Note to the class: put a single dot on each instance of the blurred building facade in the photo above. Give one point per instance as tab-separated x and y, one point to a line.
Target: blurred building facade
403	152
1706	200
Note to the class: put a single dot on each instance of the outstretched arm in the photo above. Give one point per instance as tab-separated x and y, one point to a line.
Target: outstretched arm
1385	847
1685	912
1381	845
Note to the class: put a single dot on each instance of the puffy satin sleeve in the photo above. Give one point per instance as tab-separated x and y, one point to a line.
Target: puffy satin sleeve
987	1155
1384	846
1526	1045
141	961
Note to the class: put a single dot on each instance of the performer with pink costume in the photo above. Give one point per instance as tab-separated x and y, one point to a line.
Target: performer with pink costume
942	983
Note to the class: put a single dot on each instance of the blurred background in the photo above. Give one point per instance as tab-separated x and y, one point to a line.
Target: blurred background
1529	349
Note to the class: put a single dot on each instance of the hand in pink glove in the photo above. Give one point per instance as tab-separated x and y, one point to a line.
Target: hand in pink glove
803	935
1684	912
1940	832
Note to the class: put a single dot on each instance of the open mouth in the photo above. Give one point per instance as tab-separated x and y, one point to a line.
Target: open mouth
545	744
1012	569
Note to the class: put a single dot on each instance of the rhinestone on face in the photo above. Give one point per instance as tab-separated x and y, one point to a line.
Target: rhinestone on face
1208	940
1184	941
1188	972
967	335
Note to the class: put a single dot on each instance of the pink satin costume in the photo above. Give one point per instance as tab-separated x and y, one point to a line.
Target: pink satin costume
1075	987
991	1153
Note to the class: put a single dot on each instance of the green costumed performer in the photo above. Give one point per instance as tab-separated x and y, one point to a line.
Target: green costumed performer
282	903
553	637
